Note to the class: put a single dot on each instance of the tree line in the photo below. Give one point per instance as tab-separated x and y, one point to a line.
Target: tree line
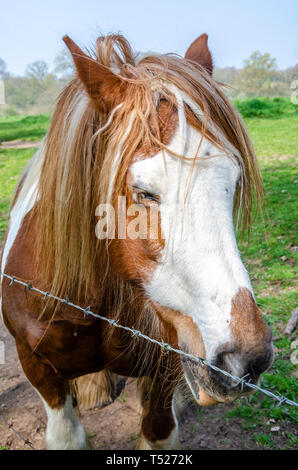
36	91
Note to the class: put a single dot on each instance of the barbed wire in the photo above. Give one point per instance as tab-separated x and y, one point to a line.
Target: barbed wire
28	443
282	400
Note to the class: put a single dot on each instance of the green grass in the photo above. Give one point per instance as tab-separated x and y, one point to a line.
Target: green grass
265	441
12	163
275	136
24	128
272	263
269	256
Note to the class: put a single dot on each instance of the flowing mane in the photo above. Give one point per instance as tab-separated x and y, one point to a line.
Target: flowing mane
87	155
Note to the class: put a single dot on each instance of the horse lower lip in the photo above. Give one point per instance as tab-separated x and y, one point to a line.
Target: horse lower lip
204	399
201	395
221	387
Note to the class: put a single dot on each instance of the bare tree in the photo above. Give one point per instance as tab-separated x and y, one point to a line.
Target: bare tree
37	70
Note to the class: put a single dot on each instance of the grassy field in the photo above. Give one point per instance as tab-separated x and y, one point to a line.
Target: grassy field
270	255
274	137
30	128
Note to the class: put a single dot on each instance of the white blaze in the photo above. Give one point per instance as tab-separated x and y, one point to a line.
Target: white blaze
200	269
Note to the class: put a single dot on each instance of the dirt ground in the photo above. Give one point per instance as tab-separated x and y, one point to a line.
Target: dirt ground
116	426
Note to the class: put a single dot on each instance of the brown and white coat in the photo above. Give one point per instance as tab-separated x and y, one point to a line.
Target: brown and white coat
158	131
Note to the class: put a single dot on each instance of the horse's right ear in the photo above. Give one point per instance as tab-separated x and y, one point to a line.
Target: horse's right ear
103	86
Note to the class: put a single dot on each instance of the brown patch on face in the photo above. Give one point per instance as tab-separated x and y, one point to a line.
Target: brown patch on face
250	332
136	259
168	121
187	330
164	129
191	341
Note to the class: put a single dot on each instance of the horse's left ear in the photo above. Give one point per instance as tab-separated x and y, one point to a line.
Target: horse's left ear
199	52
104	87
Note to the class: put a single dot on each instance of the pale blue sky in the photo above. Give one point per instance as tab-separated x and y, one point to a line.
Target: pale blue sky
32	29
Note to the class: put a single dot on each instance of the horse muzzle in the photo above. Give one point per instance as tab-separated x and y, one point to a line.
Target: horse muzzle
210	386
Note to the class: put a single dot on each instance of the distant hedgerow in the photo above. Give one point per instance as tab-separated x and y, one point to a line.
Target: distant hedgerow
266	107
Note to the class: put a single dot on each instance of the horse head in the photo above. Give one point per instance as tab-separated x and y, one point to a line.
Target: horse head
184	162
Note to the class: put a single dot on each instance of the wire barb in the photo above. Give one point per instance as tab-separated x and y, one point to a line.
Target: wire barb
165	347
243	382
87	311
282	401
135	334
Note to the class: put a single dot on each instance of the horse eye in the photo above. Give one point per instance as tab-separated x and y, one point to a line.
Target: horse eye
142	197
147	196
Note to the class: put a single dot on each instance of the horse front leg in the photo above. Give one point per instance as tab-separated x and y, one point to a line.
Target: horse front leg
64	431
159	428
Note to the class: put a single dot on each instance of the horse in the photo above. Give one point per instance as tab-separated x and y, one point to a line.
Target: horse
158	132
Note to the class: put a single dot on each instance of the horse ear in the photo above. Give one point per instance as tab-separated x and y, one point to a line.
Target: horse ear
103	86
199	52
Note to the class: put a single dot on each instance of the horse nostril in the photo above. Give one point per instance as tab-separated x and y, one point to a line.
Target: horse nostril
259	364
240	364
222	352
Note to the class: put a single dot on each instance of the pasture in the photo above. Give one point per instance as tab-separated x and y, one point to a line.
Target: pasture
270	256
